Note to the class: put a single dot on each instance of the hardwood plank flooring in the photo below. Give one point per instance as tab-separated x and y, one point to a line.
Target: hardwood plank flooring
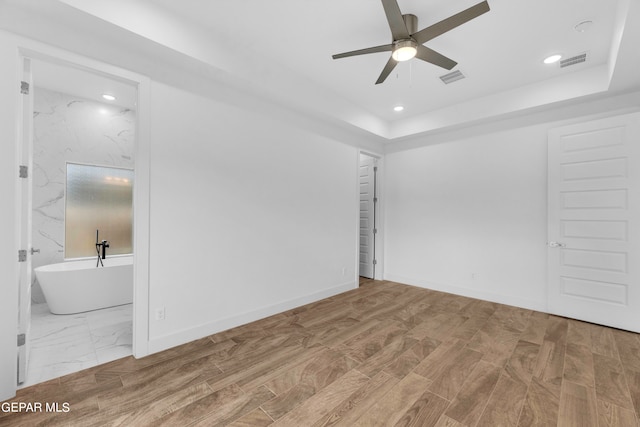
385	354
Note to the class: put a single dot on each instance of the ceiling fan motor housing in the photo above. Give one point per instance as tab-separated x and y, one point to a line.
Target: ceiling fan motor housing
405	49
411	21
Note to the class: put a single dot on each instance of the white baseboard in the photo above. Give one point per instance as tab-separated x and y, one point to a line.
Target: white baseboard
191	334
471	293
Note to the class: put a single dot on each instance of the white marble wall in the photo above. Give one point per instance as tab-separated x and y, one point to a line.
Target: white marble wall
70	129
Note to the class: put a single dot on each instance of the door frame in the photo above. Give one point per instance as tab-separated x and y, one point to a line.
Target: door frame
378	271
22	48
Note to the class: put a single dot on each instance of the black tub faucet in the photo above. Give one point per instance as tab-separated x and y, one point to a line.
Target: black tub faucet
101	249
104	245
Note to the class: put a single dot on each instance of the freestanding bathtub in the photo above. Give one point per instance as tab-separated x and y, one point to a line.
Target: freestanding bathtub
78	286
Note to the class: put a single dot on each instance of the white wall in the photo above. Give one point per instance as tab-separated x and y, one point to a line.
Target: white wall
466	211
249	216
469	216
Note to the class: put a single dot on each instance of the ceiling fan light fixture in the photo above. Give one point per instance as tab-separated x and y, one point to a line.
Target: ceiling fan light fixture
404	50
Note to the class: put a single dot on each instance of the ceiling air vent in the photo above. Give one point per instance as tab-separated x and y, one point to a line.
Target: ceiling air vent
452	77
573	60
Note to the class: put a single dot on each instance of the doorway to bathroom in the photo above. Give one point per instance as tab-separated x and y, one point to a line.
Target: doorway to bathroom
73	116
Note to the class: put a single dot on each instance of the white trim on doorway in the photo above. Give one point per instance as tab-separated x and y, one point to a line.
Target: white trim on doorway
141	189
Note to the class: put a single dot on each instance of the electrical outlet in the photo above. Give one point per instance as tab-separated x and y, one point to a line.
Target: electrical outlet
160	313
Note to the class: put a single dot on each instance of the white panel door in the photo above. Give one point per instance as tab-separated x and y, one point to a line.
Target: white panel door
24	293
367	216
594	222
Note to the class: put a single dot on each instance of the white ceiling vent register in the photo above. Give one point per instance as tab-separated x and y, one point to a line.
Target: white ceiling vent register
452	77
573	60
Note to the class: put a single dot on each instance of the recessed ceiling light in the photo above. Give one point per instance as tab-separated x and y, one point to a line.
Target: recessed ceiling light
398	108
552	59
108	97
583	26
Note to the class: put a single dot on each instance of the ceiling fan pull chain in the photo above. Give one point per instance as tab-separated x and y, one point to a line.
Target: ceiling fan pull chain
411	74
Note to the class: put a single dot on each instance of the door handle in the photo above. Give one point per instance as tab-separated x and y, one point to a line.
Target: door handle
557	245
34	251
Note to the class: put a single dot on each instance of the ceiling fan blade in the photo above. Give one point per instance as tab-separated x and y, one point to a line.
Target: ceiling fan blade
391	64
450	23
396	21
430	55
383	48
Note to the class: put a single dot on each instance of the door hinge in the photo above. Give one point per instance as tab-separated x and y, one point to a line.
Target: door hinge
24	171
375	230
22	255
24	88
375	261
375	169
375	200
22	340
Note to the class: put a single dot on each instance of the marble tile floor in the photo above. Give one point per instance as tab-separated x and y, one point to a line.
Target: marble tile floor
63	344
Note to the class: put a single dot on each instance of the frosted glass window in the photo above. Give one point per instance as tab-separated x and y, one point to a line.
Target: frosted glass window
98	198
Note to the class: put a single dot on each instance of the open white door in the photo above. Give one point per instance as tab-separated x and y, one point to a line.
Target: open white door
24	293
367	177
594	222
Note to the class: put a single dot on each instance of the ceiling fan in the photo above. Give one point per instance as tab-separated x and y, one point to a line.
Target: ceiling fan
408	42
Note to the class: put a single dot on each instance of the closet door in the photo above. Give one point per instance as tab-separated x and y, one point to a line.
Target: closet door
594	222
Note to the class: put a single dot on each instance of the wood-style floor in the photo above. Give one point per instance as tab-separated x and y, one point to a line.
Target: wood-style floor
385	354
